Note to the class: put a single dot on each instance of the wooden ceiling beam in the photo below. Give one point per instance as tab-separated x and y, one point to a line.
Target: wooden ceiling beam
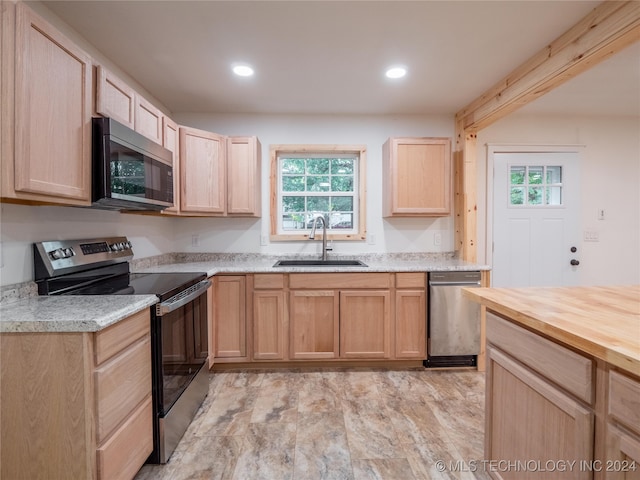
605	31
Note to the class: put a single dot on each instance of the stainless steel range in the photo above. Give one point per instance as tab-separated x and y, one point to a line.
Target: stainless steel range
178	322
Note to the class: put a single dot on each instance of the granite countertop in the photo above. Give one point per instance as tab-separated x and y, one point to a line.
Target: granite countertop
23	311
603	322
69	313
213	264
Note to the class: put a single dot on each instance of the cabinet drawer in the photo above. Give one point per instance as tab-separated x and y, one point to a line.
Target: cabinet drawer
120	385
268	280
411	280
126	451
340	280
117	337
624	400
566	368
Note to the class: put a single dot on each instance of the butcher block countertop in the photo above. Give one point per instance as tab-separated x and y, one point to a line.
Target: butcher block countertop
603	322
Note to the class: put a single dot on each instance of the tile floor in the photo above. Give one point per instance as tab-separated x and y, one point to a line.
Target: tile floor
333	424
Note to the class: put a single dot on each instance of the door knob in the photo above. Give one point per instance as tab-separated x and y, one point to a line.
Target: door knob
575	262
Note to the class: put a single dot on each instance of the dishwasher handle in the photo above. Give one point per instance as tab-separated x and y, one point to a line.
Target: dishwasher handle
444	283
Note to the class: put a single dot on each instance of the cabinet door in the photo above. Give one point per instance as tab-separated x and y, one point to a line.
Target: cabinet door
53	95
202	171
418	177
243	176
313	324
211	325
148	120
171	141
114	98
230	317
268	325
529	419
411	324
623	455
365	325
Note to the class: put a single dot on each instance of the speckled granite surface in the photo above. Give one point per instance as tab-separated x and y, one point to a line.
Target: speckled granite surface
21	310
214	263
68	313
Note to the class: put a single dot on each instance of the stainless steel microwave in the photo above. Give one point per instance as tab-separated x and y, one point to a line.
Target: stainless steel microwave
130	172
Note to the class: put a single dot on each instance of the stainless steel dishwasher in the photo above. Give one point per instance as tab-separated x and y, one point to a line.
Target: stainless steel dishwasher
453	321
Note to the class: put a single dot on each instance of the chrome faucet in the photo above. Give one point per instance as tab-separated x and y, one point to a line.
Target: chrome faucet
312	235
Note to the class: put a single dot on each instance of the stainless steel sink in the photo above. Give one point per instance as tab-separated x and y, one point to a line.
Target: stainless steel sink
319	263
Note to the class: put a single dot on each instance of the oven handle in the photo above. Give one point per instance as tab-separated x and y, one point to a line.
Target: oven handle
182	298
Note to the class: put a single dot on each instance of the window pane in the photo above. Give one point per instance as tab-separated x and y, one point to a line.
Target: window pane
293	204
293	165
317	166
341	220
534	196
342	204
292	184
342	166
554	196
318	204
293	222
554	174
342	184
517	196
517	175
318	184
535	175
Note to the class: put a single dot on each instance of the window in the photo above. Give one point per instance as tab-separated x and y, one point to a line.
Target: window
535	186
312	180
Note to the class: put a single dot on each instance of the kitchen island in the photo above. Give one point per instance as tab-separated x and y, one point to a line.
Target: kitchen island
563	382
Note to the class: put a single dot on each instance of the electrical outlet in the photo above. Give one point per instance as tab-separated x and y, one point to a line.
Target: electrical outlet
371	239
601	214
437	239
264	240
195	240
591	236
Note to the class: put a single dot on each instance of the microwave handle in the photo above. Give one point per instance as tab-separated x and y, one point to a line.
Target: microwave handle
182	298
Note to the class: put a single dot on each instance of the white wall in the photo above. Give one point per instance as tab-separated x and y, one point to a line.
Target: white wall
22	225
385	235
610	175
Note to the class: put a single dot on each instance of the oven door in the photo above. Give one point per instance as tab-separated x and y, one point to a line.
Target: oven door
179	344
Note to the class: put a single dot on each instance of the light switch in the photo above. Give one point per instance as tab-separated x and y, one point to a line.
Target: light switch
591	236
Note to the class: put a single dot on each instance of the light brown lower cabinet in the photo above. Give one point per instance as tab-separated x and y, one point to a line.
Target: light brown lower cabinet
230	318
623	428
76	405
282	317
365	324
314	324
555	413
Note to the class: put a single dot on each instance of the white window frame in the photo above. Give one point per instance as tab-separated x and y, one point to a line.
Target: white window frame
321	151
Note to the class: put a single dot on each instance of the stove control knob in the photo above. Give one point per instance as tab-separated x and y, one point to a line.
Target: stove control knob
57	254
114	247
128	244
68	252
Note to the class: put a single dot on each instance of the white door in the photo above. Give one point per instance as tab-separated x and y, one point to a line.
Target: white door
536	219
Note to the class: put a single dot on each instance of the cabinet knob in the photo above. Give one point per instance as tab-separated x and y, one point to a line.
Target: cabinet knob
575	262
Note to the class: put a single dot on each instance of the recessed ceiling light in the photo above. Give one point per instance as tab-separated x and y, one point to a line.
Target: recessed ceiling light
243	70
396	72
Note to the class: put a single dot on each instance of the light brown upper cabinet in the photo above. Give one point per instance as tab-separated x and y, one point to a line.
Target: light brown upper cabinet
46	112
116	99
171	141
202	172
218	175
243	176
416	177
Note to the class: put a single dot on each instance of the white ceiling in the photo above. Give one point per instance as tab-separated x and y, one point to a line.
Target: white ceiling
329	57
